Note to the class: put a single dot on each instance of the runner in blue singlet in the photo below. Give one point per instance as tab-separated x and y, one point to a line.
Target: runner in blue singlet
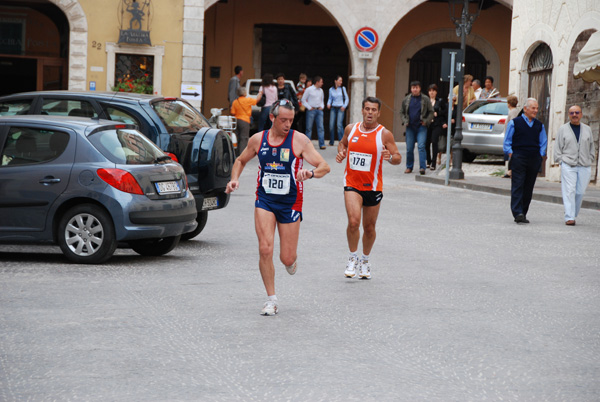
281	153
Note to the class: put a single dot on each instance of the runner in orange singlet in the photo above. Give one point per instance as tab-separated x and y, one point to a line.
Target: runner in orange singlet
367	145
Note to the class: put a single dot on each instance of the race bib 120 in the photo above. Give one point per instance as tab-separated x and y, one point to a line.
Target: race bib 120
276	183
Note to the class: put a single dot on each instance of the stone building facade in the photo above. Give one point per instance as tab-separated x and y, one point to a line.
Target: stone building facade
560	29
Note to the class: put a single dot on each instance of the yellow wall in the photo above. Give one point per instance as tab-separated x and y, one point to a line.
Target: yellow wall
492	24
166	29
236	19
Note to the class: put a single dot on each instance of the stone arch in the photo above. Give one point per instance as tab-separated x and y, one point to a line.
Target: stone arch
78	39
431	38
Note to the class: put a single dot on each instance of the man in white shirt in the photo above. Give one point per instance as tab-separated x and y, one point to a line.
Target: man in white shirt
313	100
575	151
476	84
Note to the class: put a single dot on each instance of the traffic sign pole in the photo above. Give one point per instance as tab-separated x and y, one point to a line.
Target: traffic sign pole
366	40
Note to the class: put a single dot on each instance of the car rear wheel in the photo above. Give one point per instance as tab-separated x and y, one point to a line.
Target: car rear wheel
201	219
154	247
86	234
468	156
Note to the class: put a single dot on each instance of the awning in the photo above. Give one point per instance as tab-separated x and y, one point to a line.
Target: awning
588	65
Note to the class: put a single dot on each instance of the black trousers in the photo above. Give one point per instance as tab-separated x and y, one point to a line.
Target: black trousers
433	136
525	169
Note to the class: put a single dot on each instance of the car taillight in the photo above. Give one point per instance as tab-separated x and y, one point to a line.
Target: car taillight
463	118
121	180
187	187
502	121
172	156
170	99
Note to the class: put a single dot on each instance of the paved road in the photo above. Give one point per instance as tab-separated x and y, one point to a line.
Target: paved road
464	305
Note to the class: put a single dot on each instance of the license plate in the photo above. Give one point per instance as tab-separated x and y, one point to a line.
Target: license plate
481	126
210	203
167	187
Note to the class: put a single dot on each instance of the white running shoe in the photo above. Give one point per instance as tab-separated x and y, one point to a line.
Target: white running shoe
365	270
351	266
291	269
270	308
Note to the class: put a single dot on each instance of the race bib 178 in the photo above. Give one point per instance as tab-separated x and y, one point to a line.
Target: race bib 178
360	161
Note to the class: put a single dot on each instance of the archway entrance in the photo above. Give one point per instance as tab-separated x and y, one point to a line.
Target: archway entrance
34	46
426	66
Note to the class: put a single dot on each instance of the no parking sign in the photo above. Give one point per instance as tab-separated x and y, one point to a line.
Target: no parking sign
366	39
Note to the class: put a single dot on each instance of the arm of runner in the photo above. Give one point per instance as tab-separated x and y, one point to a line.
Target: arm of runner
343	145
390	149
250	152
310	155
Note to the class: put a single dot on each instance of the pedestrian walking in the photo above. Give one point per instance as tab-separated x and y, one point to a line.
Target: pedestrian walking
489	91
242	110
525	144
367	145
285	91
511	101
313	100
337	103
574	150
476	84
269	91
417	114
234	84
435	131
279	193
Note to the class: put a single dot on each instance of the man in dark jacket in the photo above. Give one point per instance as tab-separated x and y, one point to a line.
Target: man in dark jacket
417	114
525	143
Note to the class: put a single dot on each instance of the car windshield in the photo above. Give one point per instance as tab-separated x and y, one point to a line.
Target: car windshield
179	117
126	147
488	107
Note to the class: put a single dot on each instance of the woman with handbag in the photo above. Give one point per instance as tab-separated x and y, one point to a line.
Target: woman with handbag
435	131
268	92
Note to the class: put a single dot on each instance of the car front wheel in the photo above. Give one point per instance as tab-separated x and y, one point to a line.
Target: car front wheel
154	247
86	234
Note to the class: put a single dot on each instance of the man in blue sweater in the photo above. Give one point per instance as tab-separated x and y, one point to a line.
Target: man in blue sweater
525	143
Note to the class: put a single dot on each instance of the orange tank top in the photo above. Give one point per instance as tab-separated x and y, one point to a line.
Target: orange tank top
364	161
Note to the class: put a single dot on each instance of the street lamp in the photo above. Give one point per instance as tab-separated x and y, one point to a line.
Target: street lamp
463	20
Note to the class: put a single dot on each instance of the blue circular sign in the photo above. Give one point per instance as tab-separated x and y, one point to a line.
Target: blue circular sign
366	39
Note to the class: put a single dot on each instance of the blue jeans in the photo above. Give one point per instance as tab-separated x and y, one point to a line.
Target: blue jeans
311	116
574	181
420	136
336	117
264	122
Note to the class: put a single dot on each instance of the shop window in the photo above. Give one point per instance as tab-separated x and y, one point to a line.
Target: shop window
151	60
134	73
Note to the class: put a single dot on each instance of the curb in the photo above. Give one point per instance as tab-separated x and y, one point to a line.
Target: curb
501	191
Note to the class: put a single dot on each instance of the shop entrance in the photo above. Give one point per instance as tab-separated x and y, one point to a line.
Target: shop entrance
34	46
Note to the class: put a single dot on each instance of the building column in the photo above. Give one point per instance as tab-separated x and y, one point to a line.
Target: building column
193	44
357	78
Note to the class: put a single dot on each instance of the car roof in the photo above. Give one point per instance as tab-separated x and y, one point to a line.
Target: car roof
62	121
91	94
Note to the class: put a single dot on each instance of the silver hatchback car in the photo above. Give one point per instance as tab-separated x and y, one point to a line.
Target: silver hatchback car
88	184
484	124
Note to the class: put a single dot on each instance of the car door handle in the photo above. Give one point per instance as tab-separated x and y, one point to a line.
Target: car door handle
49	180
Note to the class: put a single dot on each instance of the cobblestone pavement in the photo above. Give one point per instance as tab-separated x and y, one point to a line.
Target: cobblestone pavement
464	305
